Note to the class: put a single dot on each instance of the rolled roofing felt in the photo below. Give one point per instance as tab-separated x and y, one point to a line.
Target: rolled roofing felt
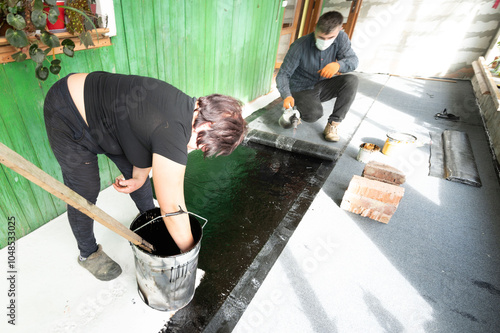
293	145
459	162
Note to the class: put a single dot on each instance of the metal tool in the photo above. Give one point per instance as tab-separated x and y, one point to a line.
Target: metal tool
290	118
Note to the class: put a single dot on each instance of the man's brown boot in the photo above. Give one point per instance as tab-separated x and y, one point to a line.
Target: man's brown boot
331	132
101	266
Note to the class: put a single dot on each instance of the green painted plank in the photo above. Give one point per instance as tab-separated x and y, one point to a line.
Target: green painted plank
160	38
135	43
172	46
167	38
223	46
195	44
210	53
17	191
29	114
119	41
10	207
264	54
148	38
239	47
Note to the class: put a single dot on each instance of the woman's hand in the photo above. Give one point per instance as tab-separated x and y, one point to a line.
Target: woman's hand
127	185
139	176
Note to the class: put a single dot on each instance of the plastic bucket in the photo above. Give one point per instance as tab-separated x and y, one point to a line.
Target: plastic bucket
165	278
398	142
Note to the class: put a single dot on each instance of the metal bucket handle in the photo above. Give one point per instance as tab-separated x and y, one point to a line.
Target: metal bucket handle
180	211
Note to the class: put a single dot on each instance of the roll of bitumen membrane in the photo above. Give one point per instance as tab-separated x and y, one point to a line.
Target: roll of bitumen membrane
459	162
293	145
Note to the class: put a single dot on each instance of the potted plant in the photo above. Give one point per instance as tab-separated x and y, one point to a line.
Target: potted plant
28	32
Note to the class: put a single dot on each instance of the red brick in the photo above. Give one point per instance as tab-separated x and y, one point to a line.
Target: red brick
373	199
373	189
384	173
373	209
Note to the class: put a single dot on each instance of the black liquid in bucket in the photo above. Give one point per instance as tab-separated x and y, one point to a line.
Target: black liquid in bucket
165	278
156	233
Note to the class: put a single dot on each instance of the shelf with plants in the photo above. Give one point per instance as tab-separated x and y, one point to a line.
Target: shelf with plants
98	38
28	34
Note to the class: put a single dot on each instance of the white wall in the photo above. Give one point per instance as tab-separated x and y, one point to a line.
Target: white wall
421	37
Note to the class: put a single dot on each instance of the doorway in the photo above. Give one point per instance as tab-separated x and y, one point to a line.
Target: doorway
289	28
299	19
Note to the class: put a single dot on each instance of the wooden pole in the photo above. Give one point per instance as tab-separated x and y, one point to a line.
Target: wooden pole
25	168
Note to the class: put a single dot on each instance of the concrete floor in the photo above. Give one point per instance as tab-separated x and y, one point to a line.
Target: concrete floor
435	267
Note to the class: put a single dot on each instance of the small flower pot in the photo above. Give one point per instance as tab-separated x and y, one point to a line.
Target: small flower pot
60	24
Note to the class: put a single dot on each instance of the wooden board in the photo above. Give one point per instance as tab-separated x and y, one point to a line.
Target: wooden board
19	164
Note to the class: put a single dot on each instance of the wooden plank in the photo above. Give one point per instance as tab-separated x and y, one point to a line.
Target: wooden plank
253	43
19	164
490	82
122	61
480	78
10	207
266	53
167	41
210	49
30	111
6	51
195	43
148	38
133	36
174	40
15	133
158	17
223	46
180	56
238	47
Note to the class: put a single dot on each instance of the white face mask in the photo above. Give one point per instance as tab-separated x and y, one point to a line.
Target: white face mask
322	44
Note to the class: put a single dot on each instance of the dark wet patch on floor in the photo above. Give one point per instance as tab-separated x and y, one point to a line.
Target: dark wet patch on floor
488	286
245	197
466	315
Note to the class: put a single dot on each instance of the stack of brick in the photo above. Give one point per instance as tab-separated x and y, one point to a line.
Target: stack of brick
375	195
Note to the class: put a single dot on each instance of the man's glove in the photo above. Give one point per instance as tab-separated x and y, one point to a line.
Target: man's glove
288	103
329	70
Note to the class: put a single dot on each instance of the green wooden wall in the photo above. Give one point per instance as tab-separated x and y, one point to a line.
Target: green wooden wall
200	46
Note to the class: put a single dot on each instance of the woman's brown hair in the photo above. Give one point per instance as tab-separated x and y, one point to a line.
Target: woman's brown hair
228	128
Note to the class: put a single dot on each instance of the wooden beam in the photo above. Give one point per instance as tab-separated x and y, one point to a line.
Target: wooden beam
480	79
353	17
490	82
19	164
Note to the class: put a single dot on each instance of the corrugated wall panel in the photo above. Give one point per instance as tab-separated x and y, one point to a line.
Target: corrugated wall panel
199	46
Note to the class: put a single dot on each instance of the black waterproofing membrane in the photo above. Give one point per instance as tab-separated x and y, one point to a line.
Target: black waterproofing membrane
293	145
252	197
459	163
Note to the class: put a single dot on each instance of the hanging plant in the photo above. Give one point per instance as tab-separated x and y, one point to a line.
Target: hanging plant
27	16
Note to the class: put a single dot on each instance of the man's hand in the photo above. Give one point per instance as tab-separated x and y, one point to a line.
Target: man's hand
329	70
127	185
289	102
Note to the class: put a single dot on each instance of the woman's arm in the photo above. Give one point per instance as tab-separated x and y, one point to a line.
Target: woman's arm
138	179
168	179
